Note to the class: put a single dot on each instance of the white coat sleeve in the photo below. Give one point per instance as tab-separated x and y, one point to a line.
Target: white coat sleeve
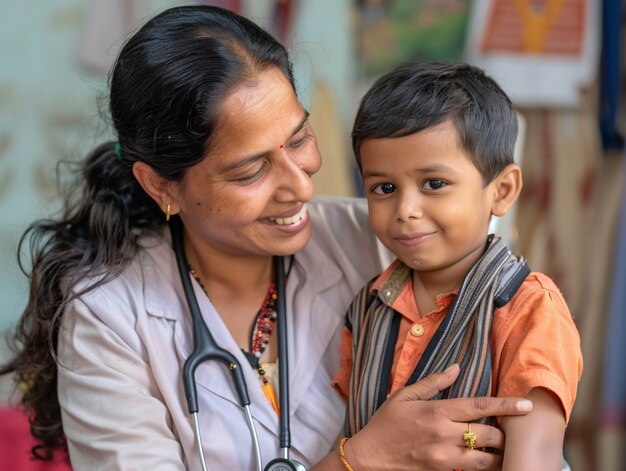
113	415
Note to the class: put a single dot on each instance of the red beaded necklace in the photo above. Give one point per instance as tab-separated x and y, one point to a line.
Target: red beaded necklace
261	330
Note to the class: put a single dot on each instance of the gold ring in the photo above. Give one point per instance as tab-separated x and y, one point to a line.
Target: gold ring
469	437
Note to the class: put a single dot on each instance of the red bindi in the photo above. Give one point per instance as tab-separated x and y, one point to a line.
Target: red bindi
282	146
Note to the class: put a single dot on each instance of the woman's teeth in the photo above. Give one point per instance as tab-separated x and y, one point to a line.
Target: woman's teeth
291	219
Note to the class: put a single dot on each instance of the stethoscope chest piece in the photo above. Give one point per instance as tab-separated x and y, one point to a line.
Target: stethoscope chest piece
282	464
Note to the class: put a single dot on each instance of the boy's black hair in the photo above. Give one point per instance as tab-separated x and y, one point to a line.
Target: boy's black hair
420	95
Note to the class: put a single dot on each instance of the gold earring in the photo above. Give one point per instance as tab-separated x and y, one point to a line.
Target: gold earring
167	212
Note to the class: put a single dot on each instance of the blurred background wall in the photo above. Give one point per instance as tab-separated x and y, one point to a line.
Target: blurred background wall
560	61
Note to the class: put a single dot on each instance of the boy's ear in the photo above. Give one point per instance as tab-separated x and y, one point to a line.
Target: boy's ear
507	187
159	188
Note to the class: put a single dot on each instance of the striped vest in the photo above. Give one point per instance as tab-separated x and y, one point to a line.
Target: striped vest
462	337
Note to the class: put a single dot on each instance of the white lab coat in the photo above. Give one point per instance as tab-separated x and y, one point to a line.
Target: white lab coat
121	349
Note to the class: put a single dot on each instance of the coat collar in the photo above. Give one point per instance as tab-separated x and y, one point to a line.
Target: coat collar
311	321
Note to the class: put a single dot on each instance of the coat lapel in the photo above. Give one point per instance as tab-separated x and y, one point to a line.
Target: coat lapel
311	326
165	298
313	319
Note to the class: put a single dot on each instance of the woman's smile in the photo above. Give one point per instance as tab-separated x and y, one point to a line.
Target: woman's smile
259	187
290	219
290	224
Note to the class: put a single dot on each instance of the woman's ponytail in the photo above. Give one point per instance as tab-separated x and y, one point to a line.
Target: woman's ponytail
167	88
95	235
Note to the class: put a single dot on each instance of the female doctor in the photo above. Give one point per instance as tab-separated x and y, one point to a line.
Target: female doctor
213	143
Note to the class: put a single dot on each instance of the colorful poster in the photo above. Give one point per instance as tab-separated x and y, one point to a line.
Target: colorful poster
542	52
392	31
552	27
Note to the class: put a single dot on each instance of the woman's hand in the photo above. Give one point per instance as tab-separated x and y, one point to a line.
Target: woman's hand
411	432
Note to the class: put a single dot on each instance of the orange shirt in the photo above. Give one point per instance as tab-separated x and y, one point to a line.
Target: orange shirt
534	341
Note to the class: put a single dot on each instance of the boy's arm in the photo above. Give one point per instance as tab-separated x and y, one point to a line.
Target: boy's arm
535	441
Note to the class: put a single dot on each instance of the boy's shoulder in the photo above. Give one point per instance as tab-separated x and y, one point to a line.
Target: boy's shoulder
539	281
538	289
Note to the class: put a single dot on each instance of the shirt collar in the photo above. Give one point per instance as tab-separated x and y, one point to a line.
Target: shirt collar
391	282
395	289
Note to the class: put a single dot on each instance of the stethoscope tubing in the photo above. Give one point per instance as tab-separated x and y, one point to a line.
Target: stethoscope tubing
283	358
198	437
206	348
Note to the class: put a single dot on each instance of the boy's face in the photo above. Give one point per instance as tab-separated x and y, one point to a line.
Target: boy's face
427	202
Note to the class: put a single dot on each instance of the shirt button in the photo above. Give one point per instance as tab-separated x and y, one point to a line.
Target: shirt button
417	330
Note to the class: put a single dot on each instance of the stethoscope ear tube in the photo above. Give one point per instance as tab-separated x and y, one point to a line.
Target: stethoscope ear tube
205	347
284	463
283	367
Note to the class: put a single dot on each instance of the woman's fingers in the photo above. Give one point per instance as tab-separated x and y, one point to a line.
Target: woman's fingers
474	408
476	460
486	436
458	412
429	386
411	432
463	409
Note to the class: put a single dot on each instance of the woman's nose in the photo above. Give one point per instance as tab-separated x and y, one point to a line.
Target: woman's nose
295	174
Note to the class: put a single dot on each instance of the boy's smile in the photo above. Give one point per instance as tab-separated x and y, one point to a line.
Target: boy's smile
428	203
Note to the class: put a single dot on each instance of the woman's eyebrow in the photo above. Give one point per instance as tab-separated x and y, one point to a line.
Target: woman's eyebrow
301	123
253	158
245	161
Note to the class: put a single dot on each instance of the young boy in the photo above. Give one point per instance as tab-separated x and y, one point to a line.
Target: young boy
434	142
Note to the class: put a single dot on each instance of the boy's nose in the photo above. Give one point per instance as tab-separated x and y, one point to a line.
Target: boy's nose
409	207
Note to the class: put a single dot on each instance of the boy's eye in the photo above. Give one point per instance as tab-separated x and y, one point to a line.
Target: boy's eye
434	184
383	189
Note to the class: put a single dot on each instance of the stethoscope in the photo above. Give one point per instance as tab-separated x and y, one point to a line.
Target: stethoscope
205	348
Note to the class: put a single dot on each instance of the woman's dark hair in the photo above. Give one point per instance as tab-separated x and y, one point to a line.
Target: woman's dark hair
166	91
420	95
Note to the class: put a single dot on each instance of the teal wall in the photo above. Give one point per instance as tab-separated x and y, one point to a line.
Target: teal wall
47	110
50	107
